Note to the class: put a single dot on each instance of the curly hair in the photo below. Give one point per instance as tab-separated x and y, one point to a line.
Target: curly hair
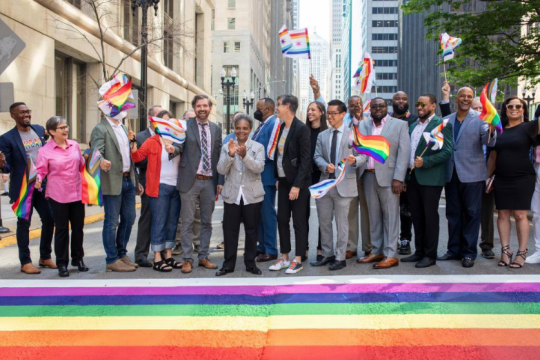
504	116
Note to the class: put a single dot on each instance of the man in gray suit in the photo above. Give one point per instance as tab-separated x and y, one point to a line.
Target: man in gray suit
465	178
383	183
198	179
332	147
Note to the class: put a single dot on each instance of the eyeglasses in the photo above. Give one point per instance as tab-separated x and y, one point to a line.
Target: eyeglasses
62	128
332	114
421	104
24	112
512	107
377	106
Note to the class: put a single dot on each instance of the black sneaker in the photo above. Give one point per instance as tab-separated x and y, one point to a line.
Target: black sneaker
404	247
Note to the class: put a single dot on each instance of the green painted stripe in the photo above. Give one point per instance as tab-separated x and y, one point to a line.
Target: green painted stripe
267	310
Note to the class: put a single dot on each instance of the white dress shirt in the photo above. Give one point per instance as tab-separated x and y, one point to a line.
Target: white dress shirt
416	136
339	136
123	144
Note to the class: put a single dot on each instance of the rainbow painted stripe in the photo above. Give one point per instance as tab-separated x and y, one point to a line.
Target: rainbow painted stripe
489	113
22	207
91	180
374	146
355	317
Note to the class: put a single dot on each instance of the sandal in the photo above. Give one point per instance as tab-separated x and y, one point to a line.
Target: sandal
515	264
504	251
173	263
162	266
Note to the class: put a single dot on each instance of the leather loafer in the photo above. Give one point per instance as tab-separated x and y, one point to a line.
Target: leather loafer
448	256
337	265
412	258
467	262
224	271
266	258
488	254
371	258
387	263
323	261
187	267
80	265
47	263
254	271
207	264
144	263
63	271
425	262
350	255
30	269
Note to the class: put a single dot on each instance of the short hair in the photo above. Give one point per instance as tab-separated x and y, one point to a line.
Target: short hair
246	117
151	110
185	113
465	87
14	105
340	104
200	97
236	113
379	98
432	98
165	112
290	100
269	102
354	97
53	122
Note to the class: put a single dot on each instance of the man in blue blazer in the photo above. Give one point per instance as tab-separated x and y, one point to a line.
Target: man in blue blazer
267	247
16	147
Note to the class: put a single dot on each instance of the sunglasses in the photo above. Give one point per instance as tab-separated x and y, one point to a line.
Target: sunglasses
512	107
421	104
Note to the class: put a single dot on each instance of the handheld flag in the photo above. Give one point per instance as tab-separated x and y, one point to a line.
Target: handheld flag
448	45
436	137
117	97
366	75
489	113
172	130
23	205
374	146
298	41
321	188
285	40
91	180
367	107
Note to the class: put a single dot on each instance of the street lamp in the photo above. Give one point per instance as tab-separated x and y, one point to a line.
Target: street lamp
144	5
226	86
247	102
529	98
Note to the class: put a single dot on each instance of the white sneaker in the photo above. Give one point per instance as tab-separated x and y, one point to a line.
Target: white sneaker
280	265
534	258
294	268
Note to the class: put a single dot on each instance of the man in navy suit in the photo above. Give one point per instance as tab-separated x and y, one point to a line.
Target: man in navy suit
16	147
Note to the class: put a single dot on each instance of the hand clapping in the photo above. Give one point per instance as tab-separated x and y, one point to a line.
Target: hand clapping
233	147
241	151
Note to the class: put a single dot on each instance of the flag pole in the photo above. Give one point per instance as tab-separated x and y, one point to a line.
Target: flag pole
444	68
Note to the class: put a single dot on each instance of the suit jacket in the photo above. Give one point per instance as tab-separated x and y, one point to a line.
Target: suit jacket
468	155
347	187
263	137
445	109
141	137
245	173
296	155
104	139
433	172
12	146
395	167
191	155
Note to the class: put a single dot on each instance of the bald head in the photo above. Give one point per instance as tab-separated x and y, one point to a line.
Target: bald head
400	104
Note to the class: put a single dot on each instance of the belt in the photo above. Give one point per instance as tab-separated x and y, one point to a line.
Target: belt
126	174
203	177
370	170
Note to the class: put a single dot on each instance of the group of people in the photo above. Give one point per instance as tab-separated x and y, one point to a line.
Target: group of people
375	204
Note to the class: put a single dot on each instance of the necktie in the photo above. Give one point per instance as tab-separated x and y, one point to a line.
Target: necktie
333	153
204	146
257	131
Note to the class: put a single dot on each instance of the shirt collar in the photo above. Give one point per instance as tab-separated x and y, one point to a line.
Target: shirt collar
427	122
113	124
341	128
383	121
151	131
55	145
200	123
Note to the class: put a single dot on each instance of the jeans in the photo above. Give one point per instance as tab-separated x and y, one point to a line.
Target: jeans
116	234
268	222
23	229
165	213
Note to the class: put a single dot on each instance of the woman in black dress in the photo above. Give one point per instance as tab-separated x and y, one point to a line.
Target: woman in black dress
514	177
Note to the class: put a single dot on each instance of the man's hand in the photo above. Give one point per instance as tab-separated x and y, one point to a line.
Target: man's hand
397	187
233	147
351	160
105	165
277	184
330	168
241	151
418	162
446	91
314	84
219	189
140	189
293	195
491	128
131	135
38	183
2	160
169	148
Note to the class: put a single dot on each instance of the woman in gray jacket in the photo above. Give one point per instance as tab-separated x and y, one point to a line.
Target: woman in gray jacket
241	162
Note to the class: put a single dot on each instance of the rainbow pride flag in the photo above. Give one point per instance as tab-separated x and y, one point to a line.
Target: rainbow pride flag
448	45
365	75
489	113
435	137
321	188
285	40
374	146
299	48
91	180
354	317
22	207
117	97
171	130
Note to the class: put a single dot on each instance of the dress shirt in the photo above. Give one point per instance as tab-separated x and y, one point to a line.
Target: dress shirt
339	136
416	136
123	143
537	155
200	171
375	130
63	171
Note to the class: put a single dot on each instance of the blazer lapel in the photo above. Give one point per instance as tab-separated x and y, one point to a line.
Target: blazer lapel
466	122
289	135
112	134
422	143
195	131
344	140
387	125
20	146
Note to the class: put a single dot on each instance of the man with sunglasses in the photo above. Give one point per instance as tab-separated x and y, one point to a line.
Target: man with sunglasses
383	183
17	146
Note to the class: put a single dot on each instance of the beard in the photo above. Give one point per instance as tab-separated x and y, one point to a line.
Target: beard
378	118
400	111
425	116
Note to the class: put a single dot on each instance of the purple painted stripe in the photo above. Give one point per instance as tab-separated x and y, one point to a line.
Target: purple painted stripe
273	290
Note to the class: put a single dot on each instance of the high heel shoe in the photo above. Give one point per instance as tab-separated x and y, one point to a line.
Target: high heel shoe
504	251
515	264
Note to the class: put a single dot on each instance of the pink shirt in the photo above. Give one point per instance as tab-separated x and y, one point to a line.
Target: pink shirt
200	171
375	130
537	154
63	171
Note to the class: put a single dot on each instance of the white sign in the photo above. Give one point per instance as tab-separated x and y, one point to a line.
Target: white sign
10	46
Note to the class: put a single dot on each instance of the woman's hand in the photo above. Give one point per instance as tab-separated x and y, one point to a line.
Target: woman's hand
38	183
241	151
233	147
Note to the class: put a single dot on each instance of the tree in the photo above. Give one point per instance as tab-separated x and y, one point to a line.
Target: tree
501	39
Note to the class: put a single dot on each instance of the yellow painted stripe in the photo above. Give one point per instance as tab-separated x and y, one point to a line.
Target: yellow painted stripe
225	323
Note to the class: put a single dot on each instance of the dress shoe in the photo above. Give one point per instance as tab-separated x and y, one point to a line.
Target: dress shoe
320	257
126	261
266	258
254	271
176	251
224	271
425	262
412	258
448	256
488	254
221	246
404	247
303	258
387	263
323	261
467	262
187	267
47	263
207	264
120	266
30	269
63	271
371	258
144	263
350	254
80	265
337	265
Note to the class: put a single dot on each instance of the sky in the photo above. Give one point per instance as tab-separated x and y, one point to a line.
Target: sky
315	15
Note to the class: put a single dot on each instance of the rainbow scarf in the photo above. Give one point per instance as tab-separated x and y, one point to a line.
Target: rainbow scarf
489	113
448	45
374	146
323	187
402	317
22	207
91	180
117	97
173	130
272	142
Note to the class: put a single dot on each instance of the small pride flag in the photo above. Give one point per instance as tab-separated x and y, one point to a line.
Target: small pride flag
374	146
448	45
91	180
172	130
323	187
285	40
299	39
117	97
23	205
436	137
365	75
489	113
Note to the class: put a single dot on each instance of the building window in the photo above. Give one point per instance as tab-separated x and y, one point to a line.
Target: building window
384	49
384	36
384	10
386	63
234	89
226	47
213	23
131	23
386	89
232	23
232	4
384	23
168	7
237	46
168	49
386	76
